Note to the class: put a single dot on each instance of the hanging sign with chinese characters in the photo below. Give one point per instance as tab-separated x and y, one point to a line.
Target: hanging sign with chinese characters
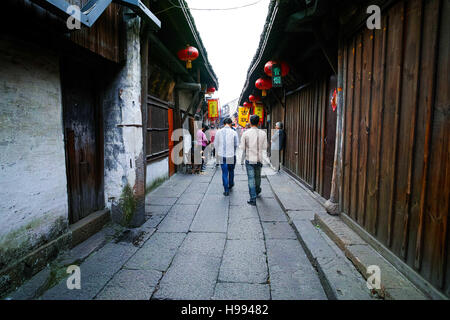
276	76
243	116
276	70
259	111
213	108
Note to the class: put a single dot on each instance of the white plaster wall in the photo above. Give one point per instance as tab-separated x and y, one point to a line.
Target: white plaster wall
123	121
156	170
33	186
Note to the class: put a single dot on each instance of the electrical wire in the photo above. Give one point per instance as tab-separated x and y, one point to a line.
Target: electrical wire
211	9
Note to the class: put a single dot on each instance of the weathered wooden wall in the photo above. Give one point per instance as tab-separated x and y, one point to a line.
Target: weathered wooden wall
305	125
161	82
104	37
396	179
277	114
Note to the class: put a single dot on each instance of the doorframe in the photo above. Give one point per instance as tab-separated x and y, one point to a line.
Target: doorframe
99	130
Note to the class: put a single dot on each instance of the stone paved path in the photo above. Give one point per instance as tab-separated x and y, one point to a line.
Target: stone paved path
208	246
202	245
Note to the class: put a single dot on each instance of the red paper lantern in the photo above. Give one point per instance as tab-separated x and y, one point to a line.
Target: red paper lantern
253	98
334	100
247	104
210	90
188	54
269	64
263	84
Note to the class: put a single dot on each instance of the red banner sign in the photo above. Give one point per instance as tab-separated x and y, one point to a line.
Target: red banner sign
213	108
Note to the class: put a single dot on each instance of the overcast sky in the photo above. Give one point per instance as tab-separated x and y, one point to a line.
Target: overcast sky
231	38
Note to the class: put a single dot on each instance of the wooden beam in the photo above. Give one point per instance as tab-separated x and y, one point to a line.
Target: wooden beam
194	103
283	104
328	51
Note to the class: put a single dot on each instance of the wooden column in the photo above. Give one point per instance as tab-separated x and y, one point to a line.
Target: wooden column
332	204
144	90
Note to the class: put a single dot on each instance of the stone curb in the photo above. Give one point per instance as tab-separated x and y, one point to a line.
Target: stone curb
340	280
394	285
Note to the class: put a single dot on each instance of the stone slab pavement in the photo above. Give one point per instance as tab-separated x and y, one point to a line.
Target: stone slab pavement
199	244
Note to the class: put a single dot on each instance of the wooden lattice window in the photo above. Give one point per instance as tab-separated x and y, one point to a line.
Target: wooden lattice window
157	143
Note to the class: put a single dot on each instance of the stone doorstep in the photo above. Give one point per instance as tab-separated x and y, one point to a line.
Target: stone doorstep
30	288
33	287
88	226
394	285
33	263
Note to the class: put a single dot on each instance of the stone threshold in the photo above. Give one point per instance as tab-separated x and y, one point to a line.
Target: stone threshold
36	262
16	274
316	225
88	226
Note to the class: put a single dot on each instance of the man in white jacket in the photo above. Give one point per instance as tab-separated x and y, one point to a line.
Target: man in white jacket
254	152
225	143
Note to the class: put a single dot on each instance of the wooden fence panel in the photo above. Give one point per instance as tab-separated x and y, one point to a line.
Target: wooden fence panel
396	177
349	90
355	129
364	122
436	208
305	131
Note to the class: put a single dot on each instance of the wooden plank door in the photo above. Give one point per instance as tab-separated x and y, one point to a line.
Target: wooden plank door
330	139
84	156
170	131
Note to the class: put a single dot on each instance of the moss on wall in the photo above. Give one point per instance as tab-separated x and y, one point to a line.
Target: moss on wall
19	242
128	204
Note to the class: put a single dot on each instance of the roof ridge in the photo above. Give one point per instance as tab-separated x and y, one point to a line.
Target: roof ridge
191	21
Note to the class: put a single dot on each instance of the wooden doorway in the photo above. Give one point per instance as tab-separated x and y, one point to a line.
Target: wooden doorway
171	144
82	118
329	140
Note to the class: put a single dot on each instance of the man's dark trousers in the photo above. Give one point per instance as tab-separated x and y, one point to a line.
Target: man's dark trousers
228	165
254	179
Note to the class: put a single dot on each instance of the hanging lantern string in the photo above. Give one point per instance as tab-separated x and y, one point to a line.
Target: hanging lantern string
210	9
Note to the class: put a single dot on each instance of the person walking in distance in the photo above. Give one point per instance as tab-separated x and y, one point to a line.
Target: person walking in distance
202	141
254	152
212	133
277	146
226	143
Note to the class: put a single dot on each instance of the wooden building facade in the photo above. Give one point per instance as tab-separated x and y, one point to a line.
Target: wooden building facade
310	119
383	156
176	95
396	134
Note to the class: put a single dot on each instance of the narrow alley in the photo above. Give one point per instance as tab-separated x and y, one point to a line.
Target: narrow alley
319	169
197	244
202	245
